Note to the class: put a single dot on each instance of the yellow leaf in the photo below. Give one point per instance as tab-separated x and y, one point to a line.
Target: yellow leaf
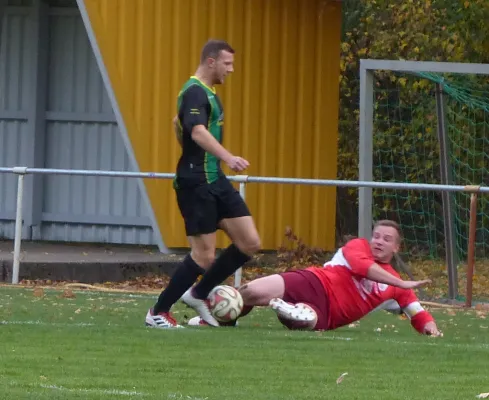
341	377
403	81
466	4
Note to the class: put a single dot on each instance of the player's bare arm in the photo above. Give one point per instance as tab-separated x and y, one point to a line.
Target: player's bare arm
378	274
204	139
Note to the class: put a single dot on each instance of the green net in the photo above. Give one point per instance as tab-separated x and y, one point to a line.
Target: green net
407	149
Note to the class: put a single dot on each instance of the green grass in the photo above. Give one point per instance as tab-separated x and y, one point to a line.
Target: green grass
96	347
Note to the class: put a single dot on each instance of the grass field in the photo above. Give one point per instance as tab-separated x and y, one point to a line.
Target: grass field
95	346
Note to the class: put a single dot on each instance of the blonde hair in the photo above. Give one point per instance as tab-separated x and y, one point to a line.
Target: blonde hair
392	224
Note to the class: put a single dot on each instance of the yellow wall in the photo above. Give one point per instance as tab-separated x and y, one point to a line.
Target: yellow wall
281	104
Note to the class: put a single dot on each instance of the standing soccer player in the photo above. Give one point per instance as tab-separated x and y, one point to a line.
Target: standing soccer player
206	198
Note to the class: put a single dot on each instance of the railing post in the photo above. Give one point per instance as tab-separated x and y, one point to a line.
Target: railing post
21	171
471	247
242	179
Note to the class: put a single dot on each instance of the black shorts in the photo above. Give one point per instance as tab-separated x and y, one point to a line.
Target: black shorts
204	206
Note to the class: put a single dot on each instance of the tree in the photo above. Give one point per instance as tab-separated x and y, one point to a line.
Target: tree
422	30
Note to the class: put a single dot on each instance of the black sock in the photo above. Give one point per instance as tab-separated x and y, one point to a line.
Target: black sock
184	277
228	262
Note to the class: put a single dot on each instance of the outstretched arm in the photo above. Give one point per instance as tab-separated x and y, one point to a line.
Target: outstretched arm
361	262
378	274
406	302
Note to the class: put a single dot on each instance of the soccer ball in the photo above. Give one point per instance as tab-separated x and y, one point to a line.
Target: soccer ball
225	303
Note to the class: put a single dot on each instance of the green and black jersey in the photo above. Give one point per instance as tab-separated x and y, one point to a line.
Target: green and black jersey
198	104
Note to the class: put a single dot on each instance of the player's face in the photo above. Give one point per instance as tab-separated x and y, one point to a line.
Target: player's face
223	66
384	243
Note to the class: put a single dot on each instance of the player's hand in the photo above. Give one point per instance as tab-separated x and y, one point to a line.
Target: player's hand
414	284
431	329
237	164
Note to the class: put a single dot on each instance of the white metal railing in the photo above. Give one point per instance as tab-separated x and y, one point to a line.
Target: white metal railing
241	179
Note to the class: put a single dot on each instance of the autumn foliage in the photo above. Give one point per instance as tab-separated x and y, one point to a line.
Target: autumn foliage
419	30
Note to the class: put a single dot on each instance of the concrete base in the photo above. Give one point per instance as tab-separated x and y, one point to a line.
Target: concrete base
86	263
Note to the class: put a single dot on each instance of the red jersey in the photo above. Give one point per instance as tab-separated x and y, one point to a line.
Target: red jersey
352	295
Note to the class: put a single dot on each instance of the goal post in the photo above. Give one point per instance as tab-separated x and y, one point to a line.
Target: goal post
430	76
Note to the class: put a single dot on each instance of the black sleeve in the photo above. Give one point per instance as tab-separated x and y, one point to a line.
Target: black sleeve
194	109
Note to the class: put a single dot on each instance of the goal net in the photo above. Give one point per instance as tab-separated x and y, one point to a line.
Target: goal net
431	128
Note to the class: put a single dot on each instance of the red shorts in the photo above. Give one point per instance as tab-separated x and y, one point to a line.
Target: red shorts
304	287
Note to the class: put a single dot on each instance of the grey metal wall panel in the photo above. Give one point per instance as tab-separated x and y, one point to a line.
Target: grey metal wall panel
7	230
14	64
89	146
97	234
14	85
75	83
11	154
76	92
81	133
21	3
62	3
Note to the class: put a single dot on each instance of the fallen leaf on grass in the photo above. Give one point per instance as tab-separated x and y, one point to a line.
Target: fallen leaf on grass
68	294
483	396
78	311
38	292
340	379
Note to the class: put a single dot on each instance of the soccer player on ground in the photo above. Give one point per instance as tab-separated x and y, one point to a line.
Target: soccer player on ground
358	279
206	198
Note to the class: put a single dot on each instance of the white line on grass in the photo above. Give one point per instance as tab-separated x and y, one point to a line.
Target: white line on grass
98	391
178	396
438	342
78	324
429	342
